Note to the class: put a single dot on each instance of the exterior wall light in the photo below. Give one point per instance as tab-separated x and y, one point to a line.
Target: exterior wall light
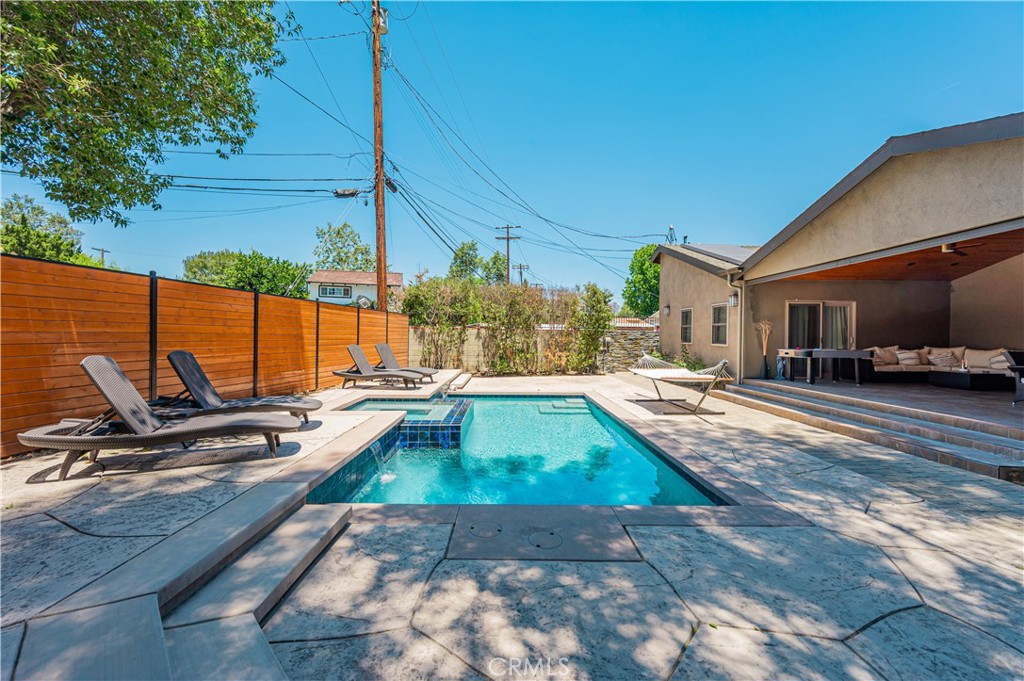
734	299
666	310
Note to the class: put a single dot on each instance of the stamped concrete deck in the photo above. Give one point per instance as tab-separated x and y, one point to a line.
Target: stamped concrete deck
899	568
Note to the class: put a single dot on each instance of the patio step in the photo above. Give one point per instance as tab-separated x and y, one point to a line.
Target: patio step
256	581
459	382
231	648
967	458
915	412
909	425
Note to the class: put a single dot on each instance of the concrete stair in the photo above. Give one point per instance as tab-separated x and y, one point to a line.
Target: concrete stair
988	449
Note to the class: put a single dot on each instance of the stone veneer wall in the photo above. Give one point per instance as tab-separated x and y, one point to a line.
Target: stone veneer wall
626	347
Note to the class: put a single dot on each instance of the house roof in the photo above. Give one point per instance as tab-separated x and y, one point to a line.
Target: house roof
349	278
713	258
988	130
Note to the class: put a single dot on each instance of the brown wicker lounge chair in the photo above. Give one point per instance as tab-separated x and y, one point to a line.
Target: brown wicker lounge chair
362	371
390	362
199	390
139	425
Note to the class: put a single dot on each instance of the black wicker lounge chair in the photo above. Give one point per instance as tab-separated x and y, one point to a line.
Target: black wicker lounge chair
390	362
362	371
199	390
139	425
1016	362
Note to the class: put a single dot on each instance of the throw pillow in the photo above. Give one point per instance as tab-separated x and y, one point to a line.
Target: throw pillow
980	358
885	355
945	359
958	351
999	363
908	358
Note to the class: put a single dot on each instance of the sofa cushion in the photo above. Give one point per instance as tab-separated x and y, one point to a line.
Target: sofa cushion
886	355
889	368
958	351
909	358
980	358
944	359
999	362
917	367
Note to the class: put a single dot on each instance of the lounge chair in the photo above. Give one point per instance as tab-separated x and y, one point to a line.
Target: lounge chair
199	390
139	425
1015	360
660	370
362	371
390	362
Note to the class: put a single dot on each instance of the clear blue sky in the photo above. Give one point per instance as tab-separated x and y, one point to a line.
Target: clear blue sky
726	120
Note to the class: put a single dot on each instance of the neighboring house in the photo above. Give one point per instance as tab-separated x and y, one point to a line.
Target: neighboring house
345	288
921	245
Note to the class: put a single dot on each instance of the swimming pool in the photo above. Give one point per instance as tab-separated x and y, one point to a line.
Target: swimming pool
518	450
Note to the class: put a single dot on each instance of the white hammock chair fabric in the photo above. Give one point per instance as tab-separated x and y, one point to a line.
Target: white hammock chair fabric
660	370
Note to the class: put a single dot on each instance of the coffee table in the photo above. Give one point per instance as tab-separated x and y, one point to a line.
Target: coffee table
965	380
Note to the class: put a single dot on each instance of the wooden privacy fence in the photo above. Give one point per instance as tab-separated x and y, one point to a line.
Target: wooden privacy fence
52	315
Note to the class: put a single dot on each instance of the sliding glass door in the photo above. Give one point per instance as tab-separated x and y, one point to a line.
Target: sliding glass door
819	324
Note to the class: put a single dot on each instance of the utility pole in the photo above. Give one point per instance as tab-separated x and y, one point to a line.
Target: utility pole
379	26
520	268
103	253
508	248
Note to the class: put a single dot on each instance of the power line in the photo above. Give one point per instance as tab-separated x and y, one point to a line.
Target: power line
245	153
268	179
323	110
320	37
253	189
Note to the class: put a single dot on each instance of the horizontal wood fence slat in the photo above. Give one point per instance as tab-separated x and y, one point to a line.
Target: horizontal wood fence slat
53	315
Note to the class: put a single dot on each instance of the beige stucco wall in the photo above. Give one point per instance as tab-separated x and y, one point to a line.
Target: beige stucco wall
910	314
683	286
909	199
987	307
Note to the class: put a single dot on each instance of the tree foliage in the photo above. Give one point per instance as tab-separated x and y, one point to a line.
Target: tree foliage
92	92
340	248
467	263
442	308
512	314
29	229
591	320
641	292
254	271
210	267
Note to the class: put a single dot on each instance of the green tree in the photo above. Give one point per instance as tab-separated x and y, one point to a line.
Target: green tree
254	271
92	92
340	248
591	320
512	314
441	309
494	269
28	229
641	292
466	261
210	267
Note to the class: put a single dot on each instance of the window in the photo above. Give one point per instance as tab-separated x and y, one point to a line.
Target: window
335	291
719	324
686	326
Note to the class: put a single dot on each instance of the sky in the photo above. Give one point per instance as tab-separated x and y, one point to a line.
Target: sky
578	119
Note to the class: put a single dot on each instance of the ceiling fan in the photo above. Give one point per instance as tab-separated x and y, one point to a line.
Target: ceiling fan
957	250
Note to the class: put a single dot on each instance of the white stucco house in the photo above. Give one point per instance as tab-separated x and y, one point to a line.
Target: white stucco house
345	287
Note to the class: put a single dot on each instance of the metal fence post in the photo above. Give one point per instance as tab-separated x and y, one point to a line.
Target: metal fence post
153	301
316	360
255	341
359	323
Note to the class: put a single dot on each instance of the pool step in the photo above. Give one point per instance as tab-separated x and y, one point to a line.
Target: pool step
459	382
562	408
256	581
944	444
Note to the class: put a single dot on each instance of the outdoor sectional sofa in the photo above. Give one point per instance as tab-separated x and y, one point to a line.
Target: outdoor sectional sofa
985	369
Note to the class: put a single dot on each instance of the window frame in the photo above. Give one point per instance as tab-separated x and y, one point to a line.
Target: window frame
724	324
689	327
322	291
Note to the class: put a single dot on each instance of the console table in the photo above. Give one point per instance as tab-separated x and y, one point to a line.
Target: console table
790	354
836	356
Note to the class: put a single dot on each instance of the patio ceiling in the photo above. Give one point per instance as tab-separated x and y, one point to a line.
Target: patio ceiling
929	264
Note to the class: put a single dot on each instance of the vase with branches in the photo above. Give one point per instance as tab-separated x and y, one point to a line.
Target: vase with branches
764	330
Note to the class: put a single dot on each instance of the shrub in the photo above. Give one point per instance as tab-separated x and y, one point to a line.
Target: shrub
591	320
443	308
512	314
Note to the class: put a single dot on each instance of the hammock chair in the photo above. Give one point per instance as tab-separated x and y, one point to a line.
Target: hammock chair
660	370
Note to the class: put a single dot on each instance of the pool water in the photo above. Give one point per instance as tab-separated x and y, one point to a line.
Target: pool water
420	410
516	450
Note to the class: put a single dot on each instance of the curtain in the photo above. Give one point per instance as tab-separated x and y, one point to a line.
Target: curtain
836	331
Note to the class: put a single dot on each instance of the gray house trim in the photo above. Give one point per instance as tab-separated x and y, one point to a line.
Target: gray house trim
934	242
689	260
989	130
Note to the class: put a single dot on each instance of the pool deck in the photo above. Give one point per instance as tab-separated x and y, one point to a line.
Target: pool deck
845	560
